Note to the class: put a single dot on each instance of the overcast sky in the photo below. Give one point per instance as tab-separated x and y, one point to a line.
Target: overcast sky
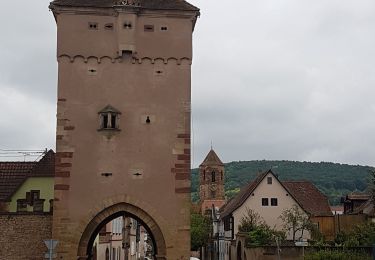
283	80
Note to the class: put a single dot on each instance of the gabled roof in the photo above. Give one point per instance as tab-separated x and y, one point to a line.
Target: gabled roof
14	174
307	196
108	109
212	159
142	4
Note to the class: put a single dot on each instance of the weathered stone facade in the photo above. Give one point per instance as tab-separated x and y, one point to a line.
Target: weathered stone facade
22	235
123	121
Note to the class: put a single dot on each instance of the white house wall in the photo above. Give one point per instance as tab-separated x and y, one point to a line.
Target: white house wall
269	213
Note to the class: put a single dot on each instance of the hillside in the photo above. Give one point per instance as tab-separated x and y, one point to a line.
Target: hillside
333	179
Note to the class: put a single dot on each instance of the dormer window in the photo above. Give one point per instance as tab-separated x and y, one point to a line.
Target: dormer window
109	118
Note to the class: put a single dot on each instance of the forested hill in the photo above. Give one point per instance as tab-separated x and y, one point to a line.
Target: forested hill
333	179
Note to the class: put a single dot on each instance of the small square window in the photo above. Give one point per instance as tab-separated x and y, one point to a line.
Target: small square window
269	180
264	201
273	201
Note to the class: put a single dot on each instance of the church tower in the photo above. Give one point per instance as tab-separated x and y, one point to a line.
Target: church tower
123	122
211	181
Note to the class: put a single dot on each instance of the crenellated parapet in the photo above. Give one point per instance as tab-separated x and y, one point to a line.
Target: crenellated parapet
134	60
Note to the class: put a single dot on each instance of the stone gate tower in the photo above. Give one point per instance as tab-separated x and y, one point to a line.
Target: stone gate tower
123	121
211	182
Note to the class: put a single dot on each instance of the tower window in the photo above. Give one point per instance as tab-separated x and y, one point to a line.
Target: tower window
109	118
127	25
213	177
164	28
93	26
109	26
204	175
148	28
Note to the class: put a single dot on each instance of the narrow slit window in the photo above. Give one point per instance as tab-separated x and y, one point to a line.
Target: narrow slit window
105	120
113	121
149	28
108	26
213	177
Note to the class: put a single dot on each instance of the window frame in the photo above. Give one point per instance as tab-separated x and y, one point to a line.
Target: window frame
273	200
265	202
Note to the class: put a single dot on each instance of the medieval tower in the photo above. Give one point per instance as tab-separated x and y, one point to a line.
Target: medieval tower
211	182
123	121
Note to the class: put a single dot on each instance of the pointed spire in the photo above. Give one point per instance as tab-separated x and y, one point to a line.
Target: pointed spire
212	159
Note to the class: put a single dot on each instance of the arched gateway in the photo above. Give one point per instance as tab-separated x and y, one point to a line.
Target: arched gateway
123	123
85	248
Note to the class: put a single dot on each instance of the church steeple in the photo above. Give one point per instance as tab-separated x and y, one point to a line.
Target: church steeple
211	178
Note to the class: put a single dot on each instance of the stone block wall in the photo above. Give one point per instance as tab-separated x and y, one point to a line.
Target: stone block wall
22	235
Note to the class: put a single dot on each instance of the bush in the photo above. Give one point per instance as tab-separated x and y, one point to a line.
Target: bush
337	255
361	235
258	232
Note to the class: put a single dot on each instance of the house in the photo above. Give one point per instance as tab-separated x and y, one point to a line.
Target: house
110	243
269	197
358	203
27	186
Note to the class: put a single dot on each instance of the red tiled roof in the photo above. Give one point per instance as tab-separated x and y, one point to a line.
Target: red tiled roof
143	4
304	193
13	174
309	197
212	159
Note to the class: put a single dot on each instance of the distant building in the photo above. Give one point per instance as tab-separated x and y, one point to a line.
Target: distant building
269	197
27	186
358	203
211	182
115	240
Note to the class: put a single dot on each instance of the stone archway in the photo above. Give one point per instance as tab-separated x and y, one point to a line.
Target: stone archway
109	213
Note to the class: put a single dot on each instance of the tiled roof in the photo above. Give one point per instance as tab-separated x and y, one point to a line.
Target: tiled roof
358	196
309	197
143	4
366	208
45	167
303	192
212	159
13	174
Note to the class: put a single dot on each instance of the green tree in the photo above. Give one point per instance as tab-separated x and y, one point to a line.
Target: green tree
201	227
296	220
258	232
372	187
